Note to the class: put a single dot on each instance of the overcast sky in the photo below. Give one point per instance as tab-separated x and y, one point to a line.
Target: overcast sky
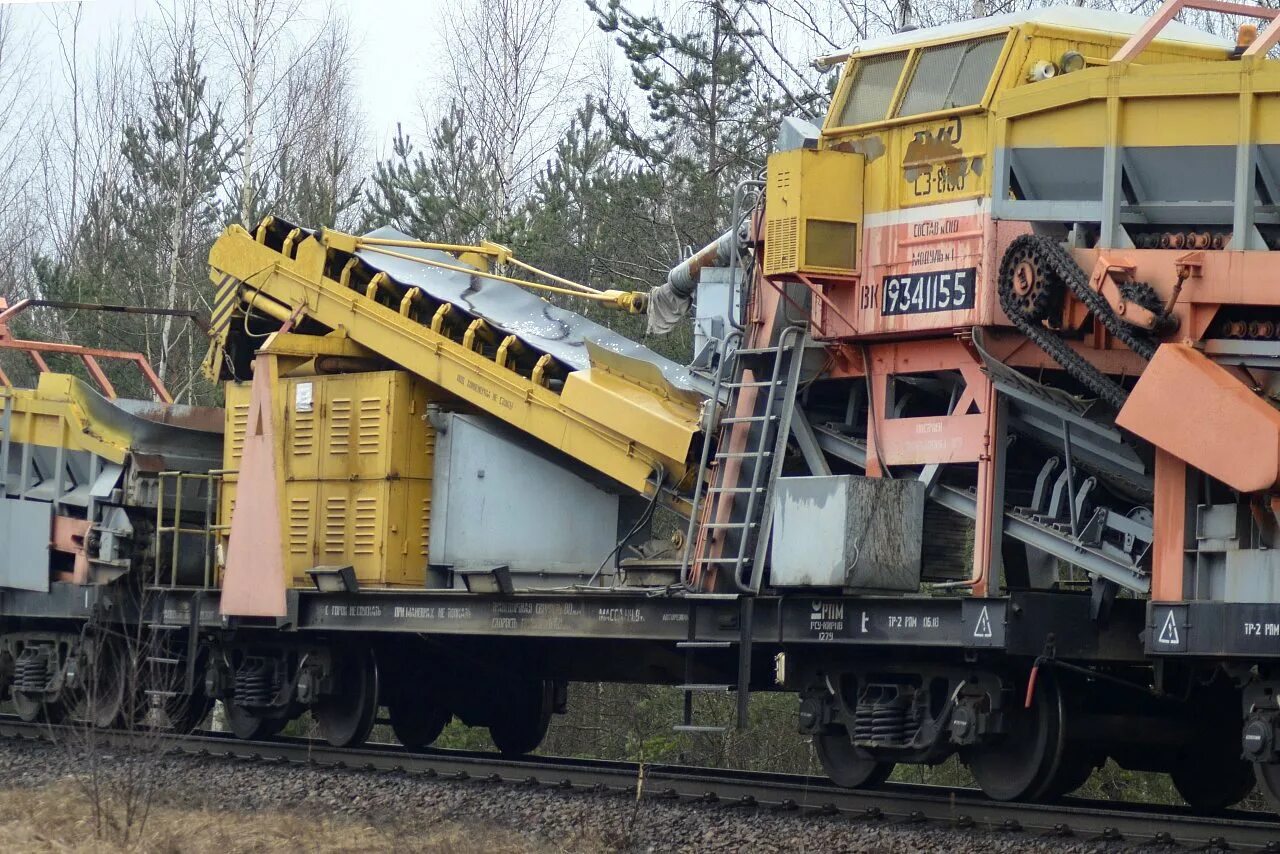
398	40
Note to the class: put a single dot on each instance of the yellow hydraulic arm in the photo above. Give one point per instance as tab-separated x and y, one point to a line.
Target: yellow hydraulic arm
619	416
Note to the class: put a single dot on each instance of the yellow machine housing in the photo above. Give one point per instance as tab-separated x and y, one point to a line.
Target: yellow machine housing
618	415
916	148
814	213
356	452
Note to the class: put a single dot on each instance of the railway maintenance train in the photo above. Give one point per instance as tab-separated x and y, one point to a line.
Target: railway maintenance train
978	455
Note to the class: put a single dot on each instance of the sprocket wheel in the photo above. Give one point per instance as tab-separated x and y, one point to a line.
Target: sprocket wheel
1029	285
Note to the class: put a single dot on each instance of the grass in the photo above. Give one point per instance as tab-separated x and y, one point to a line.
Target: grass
59	819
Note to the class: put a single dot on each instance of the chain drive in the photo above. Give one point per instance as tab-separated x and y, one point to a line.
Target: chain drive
1063	268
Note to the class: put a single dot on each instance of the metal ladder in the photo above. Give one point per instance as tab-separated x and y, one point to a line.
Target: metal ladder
764	453
171	666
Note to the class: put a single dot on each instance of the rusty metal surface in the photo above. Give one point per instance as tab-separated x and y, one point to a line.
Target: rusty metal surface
515	311
182	445
206	419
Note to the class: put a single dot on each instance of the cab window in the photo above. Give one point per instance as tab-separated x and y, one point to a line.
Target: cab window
875	79
948	76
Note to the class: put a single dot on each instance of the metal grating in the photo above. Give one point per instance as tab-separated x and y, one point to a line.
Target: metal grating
335	525
366	526
369	426
239	426
780	245
299	525
339	425
948	76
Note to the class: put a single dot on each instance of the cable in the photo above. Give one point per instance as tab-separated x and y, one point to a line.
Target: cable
659	473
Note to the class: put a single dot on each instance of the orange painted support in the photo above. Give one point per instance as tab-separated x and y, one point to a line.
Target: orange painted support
963	436
99	376
1138	42
1197	410
69	537
988	524
88	355
1168	551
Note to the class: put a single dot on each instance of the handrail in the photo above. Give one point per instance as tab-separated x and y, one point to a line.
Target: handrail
88	355
209	531
709	433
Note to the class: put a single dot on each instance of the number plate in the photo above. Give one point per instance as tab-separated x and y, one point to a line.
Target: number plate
918	293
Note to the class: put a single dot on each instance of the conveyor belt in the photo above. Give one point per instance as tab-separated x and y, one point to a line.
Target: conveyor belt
609	403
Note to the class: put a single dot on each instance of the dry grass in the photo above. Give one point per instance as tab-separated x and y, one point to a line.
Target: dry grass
59	819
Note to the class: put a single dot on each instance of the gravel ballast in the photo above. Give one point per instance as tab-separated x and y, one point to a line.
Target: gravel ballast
562	820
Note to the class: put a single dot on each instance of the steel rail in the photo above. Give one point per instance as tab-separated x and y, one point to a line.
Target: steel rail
941	806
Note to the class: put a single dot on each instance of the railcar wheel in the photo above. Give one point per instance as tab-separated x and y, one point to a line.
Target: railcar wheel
849	766
99	699
1267	776
1024	763
522	724
1215	786
32	709
246	725
346	717
1076	768
186	713
1208	771
417	720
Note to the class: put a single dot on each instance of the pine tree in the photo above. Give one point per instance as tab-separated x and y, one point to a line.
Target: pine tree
711	110
594	216
446	194
170	207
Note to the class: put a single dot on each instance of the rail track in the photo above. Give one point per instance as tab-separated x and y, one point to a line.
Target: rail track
952	807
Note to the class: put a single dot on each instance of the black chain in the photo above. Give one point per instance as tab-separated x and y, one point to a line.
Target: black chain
1063	270
1063	265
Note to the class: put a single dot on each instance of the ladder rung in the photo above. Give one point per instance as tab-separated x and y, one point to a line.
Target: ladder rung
740	455
159	660
734	489
165	627
756	351
720	560
696	728
751	384
706	687
716	526
701	644
747	419
156	692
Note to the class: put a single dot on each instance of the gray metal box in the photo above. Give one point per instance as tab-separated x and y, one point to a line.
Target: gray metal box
711	312
499	499
847	531
26	528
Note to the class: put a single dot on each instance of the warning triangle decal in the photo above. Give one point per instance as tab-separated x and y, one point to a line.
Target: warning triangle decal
1169	631
983	629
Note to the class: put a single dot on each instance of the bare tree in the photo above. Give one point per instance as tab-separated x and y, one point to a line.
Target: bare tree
19	122
256	39
513	66
172	203
320	157
80	154
112	727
